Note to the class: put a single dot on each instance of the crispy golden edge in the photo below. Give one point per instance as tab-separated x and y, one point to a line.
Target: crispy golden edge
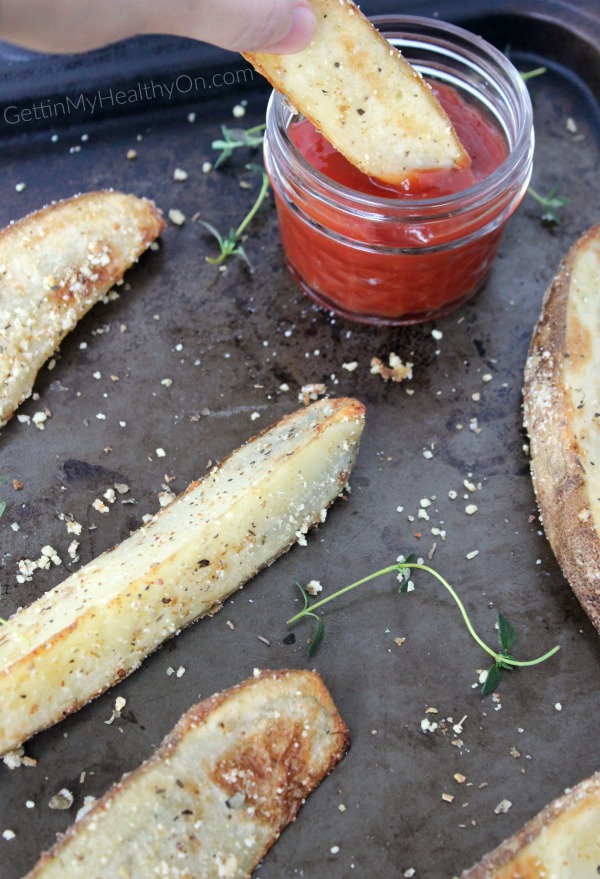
151	231
147	220
311	685
558	476
503	855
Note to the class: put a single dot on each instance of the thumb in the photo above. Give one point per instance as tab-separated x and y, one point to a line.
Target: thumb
279	26
240	25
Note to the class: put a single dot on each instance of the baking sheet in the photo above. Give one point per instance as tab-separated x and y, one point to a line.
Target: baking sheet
230	342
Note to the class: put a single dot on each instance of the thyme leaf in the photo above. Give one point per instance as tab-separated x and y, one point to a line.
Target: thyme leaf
492	681
506	633
234	138
550	203
503	660
230	244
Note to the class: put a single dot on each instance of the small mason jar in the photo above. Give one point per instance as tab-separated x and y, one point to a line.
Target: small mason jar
385	260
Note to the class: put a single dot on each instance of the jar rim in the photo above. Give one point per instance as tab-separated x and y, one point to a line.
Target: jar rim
479	192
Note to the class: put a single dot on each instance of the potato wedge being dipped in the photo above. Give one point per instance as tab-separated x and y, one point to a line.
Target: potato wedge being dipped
364	97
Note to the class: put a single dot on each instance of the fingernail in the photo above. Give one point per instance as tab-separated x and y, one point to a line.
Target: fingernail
300	33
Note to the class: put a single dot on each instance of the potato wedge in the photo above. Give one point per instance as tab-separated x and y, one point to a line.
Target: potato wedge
217	793
54	265
561	842
364	97
98	625
561	407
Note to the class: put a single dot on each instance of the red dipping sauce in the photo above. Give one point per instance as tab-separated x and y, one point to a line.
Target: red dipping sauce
378	253
480	136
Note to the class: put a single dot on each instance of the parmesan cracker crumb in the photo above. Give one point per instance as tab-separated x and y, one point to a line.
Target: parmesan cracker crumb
176	216
502	807
313	587
396	371
62	800
311	392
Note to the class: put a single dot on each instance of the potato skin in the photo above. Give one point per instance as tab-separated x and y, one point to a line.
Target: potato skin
562	377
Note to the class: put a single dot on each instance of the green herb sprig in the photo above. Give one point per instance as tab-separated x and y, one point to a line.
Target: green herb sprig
550	203
230	244
503	660
3	479
530	74
234	138
319	624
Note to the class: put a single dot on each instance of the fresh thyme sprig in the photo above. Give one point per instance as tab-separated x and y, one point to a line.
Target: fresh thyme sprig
230	244
502	659
551	204
234	138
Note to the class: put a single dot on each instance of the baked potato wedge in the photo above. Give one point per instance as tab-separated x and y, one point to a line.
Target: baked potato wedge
217	793
99	624
364	97
561	842
562	418
54	265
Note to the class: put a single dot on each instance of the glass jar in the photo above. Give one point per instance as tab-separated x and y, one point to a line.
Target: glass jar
385	260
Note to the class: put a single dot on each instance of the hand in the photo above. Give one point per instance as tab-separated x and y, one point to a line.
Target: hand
78	25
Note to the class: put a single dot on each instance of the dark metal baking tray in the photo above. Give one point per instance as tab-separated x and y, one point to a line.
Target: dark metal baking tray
229	341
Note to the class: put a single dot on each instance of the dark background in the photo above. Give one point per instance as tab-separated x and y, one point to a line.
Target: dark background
229	341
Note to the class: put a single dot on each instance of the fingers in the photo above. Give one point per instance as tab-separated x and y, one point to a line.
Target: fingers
242	25
299	34
68	25
271	25
78	25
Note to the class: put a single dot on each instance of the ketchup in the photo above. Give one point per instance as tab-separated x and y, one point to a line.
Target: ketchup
482	140
404	262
